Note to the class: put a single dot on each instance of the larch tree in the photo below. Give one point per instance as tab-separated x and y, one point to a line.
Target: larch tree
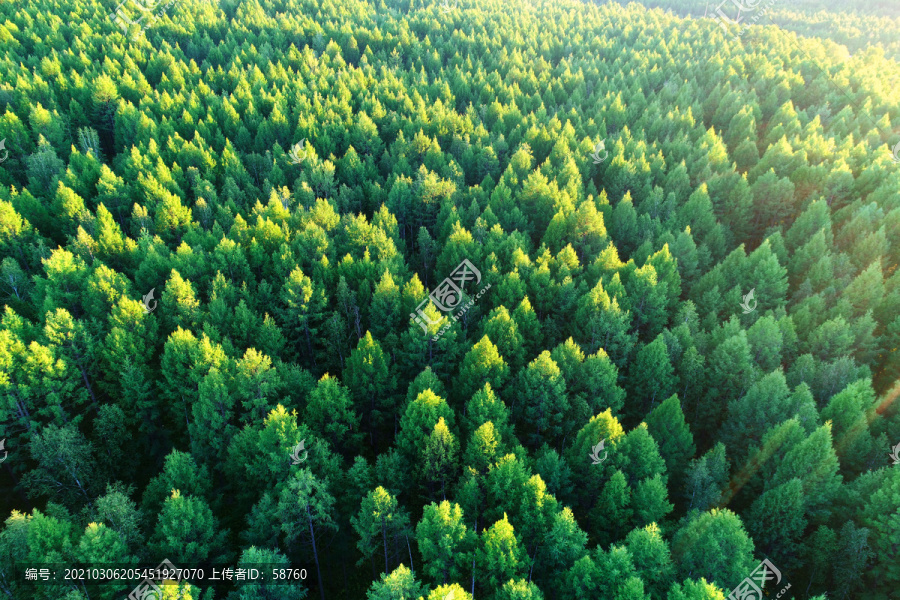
444	541
380	523
306	509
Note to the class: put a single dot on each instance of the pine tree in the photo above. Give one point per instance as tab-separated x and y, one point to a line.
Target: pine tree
444	541
253	557
776	522
482	365
187	531
650	553
499	556
815	463
695	590
380	523
541	402
304	508
705	479
400	584
652	376
302	305
329	413
485	406
713	545
666	424
368	377
848	412
65	466
440	458
766	404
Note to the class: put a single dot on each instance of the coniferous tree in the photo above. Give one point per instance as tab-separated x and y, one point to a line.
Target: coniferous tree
305	507
444	541
380	524
712	262
666	423
713	545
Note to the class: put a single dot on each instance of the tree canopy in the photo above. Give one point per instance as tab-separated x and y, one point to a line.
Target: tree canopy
542	300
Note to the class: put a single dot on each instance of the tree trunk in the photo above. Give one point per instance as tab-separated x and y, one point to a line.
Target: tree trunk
24	415
533	560
344	562
412	567
87	383
384	538
309	343
473	561
187	421
372	421
312	536
80	487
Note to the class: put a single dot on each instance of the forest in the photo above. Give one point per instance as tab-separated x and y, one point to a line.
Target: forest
450	299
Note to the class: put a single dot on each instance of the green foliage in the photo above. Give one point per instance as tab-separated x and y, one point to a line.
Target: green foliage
541	402
418	423
180	472
766	404
380	523
329	412
882	489
401	583
482	365
368	376
666	424
850	412
187	531
272	559
650	553
713	545
499	556
293	292
64	465
440	459
814	463
695	590
706	478
444	541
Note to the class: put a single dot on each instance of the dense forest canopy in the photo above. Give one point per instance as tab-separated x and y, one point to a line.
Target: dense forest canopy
855	24
229	239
